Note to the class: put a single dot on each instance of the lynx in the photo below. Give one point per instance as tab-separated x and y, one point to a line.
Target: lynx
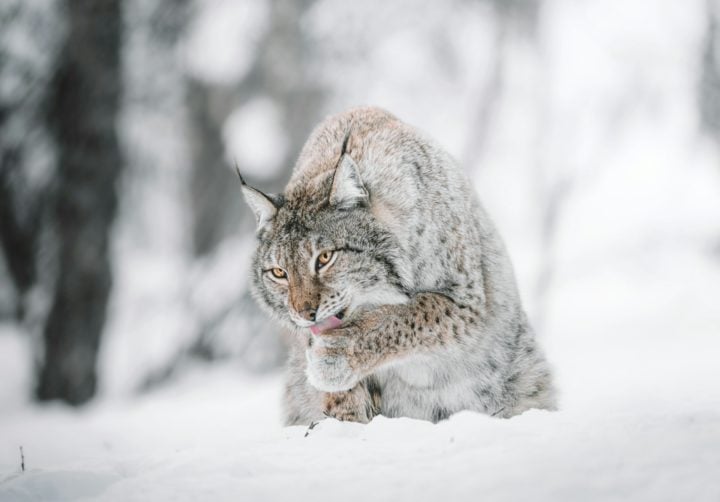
397	290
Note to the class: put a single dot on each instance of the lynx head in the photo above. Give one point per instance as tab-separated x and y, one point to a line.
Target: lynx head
321	253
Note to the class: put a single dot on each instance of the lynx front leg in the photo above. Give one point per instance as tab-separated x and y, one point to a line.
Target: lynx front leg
359	404
339	358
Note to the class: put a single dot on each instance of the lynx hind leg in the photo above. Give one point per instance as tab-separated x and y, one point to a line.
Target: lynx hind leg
531	383
359	404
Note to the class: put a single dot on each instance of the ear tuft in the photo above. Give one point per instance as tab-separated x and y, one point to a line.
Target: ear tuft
348	190
262	205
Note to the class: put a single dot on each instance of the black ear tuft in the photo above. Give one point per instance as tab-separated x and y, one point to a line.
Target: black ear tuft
237	170
347	189
263	206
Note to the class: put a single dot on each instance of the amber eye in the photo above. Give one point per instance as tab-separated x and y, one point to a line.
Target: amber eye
278	273
324	259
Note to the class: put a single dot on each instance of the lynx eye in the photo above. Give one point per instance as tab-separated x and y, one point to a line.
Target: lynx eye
278	273
324	259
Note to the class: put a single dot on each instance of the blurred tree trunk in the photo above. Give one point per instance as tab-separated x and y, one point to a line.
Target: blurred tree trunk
709	100
281	72
18	229
26	153
212	197
513	19
83	112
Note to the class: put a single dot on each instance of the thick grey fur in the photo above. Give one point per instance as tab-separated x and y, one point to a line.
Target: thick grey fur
433	320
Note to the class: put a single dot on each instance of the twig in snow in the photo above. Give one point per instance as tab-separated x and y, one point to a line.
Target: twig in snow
310	427
498	412
22	459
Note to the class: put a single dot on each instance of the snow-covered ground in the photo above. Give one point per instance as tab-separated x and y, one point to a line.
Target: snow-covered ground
639	420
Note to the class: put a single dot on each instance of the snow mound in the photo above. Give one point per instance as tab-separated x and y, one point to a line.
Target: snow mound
624	433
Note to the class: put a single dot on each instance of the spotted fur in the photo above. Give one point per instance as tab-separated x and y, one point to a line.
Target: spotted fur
433	322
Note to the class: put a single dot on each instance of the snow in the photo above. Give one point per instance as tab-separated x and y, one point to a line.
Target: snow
639	420
16	372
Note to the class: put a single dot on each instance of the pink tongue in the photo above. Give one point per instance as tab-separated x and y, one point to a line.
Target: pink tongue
331	322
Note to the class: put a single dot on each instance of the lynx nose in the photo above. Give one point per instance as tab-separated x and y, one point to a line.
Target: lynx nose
308	314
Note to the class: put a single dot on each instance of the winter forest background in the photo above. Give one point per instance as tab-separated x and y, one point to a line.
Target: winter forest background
590	129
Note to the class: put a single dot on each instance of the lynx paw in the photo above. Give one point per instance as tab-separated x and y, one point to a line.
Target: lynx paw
351	406
328	367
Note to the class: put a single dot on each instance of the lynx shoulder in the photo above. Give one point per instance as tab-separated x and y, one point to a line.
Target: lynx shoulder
397	288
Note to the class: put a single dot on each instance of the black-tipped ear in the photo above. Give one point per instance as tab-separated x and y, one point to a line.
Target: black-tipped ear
262	205
348	190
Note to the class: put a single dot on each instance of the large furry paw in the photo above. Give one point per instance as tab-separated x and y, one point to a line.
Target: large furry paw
356	405
329	367
339	358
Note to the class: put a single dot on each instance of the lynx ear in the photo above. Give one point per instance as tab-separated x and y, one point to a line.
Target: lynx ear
261	204
348	190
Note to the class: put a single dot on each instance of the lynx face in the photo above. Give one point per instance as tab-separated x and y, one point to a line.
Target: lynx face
310	266
323	254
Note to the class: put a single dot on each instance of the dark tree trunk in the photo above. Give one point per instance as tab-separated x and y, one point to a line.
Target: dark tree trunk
18	229
24	148
83	112
212	196
709	93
